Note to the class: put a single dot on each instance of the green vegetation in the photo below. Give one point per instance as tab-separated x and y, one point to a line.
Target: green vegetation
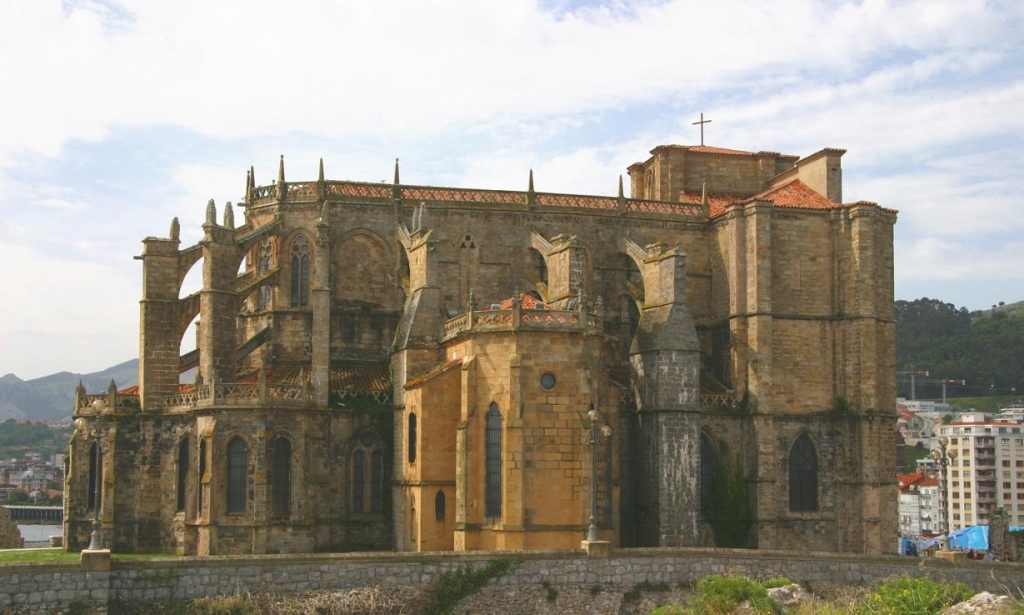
986	349
17	439
913	596
58	555
451	587
638	590
729	510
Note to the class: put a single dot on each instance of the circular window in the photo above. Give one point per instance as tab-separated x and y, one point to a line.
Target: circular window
367	439
548	381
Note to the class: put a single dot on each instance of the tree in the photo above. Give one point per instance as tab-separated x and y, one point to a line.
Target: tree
10	535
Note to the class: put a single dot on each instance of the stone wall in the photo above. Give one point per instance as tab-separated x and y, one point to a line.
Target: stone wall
48	588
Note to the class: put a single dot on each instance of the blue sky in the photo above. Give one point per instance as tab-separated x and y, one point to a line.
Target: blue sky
117	116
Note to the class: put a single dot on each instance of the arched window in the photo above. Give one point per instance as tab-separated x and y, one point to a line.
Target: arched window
264	263
300	272
236	475
708	459
182	472
281	477
95	496
202	472
492	463
412	437
803	476
439	506
367	475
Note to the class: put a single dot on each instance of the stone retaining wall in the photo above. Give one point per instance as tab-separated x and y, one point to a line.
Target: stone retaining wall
49	588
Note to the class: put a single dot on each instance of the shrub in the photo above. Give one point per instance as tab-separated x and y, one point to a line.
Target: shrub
721	594
451	587
913	596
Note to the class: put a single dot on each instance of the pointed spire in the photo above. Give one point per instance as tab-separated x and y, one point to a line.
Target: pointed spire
175	229
396	182
621	199
531	196
704	194
280	170
229	215
80	389
248	186
252	177
321	177
211	212
112	387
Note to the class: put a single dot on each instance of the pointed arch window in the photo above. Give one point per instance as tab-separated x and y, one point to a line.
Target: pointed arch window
236	475
439	506
412	437
264	263
492	463
300	255
182	472
95	496
367	475
202	477
803	476
281	477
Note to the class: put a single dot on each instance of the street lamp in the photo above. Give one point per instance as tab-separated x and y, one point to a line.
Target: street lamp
96	540
944	456
605	432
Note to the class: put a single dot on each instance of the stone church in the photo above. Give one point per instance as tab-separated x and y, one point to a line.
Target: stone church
708	361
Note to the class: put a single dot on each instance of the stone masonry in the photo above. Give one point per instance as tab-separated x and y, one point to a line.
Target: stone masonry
391	366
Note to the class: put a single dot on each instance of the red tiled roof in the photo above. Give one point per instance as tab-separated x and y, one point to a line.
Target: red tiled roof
717	202
797	195
706	149
420	379
794	195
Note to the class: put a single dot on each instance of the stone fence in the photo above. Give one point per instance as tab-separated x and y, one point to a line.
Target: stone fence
94	585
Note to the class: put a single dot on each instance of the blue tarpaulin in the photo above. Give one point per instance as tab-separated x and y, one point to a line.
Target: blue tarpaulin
973	537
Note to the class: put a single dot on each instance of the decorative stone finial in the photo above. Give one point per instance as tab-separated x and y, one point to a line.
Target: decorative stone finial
621	195
211	212
112	387
530	187
704	194
321	177
229	215
280	170
396	182
80	389
471	303
175	229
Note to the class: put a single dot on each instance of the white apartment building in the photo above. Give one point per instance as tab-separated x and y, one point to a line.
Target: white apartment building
987	473
919	505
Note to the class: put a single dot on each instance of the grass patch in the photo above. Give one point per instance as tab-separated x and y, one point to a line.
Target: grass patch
60	556
914	596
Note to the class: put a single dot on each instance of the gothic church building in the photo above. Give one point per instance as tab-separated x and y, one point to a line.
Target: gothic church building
708	361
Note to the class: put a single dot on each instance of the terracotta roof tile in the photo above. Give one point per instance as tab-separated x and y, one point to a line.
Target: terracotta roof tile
420	379
796	195
706	149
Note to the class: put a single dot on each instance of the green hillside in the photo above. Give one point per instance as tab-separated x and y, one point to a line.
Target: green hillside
984	348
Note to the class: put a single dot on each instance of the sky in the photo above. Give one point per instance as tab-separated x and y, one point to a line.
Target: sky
117	116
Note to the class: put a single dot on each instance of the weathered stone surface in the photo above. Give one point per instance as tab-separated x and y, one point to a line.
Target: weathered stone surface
725	313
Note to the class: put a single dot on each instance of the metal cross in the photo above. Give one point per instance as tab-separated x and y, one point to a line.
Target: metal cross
702	122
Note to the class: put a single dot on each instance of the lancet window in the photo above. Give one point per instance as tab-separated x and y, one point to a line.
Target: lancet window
803	476
264	263
300	256
281	476
367	475
492	463
182	472
236	475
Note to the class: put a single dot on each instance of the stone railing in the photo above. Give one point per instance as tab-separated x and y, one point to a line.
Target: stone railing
106	402
241	394
360	191
521	319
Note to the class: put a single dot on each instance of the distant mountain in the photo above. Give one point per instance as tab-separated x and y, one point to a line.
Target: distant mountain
52	397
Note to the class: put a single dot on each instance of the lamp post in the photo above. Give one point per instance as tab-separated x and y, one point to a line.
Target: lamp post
605	432
944	456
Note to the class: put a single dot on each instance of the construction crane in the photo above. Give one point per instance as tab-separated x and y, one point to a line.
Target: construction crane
913	373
